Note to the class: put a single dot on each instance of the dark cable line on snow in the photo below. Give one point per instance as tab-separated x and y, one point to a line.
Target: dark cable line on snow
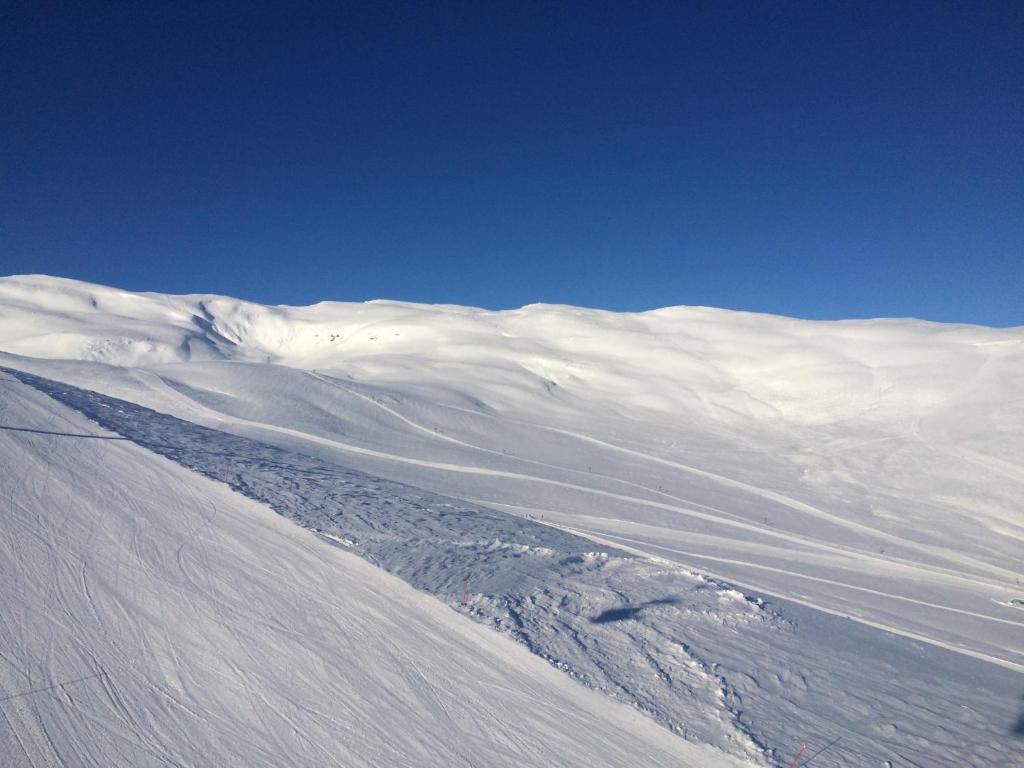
50	687
832	743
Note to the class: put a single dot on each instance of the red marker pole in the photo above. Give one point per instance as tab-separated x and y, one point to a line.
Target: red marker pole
798	756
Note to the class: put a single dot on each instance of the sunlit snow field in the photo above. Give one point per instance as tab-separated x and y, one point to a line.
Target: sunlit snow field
784	532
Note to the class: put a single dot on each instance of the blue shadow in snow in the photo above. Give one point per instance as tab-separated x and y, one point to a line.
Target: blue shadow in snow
630	611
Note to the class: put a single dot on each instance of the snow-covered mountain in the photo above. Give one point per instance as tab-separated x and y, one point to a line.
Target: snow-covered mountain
761	531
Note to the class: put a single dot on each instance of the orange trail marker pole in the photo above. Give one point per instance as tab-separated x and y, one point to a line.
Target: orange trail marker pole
798	755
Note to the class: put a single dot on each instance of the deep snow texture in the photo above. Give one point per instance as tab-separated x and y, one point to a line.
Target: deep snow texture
155	618
871	469
714	665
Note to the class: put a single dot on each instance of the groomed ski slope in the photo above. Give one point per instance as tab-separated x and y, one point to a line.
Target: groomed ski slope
153	617
869	468
864	477
713	665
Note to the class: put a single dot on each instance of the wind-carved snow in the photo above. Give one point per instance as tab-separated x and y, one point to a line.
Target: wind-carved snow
154	618
868	469
544	586
713	664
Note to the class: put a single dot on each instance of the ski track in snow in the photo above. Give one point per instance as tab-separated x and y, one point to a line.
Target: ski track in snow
909	572
868	469
642	548
717	515
712	665
155	618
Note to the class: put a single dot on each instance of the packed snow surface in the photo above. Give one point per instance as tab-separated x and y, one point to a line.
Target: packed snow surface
795	531
154	617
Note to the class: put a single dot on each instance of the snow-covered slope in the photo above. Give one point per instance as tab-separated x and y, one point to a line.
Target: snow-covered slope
870	469
153	617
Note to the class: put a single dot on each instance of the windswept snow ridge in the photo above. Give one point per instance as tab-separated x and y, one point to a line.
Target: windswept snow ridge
714	665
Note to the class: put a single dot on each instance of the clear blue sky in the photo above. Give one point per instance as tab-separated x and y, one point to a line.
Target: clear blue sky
819	159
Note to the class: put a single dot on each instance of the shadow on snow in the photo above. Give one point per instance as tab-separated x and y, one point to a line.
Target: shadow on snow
630	611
